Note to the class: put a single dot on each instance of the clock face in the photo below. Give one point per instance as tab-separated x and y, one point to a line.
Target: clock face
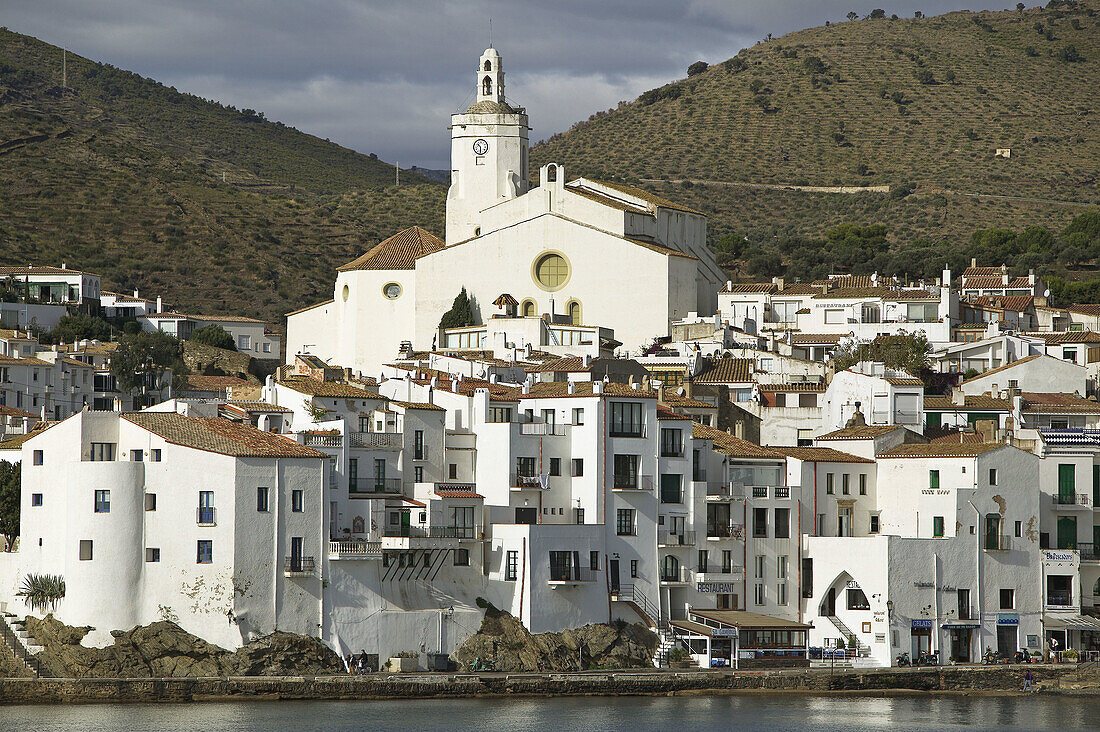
481	147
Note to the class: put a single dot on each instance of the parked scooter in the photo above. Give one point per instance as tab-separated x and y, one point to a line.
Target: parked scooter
1021	657
927	659
902	660
482	665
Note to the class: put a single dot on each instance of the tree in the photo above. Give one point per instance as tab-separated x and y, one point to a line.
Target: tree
878	13
461	313
42	591
1069	55
213	335
78	327
142	359
851	15
1019	6
9	502
906	351
697	68
918	15
924	76
949	76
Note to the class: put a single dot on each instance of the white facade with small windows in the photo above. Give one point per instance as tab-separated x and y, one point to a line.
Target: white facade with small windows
572	248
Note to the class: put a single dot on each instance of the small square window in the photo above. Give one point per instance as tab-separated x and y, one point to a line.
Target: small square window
296	500
136	456
85	550
36	499
152	554
578	467
37	457
150	501
462	557
1018	528
993	476
452	471
261	499
154	456
874	523
594	560
102	501
205	553
555	466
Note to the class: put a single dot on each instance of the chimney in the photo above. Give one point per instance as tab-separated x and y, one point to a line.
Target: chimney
597	387
729	285
1031	277
778	282
958	398
160	305
570	387
987	428
946	278
136	295
973	261
347	374
689	386
660	390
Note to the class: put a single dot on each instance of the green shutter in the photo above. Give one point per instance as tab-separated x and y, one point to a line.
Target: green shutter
1066	483
1095	486
932	420
937	525
933	479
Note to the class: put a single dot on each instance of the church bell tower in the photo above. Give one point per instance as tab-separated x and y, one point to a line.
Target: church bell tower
488	152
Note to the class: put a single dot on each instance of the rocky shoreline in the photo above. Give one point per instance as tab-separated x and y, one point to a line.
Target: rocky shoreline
997	680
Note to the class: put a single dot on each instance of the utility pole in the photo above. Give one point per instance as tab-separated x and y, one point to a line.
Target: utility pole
397	171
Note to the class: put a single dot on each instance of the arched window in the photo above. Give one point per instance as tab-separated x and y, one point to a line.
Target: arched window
574	309
551	173
486	86
488	65
528	309
670	568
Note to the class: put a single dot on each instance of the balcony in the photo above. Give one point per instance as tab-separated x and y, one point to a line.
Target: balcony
632	483
1060	600
525	482
725	531
543	429
563	576
355	550
376	440
725	575
206	516
760	491
1073	500
670	538
374	486
1090	552
725	491
299	567
997	542
681	576
330	441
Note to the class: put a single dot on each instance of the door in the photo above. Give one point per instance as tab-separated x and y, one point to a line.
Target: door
844	522
676	527
830	603
527	515
296	543
613	571
960	645
921	641
406	521
1006	640
1067	532
1066	484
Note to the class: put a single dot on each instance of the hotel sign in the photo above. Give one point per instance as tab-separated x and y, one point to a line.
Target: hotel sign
720	588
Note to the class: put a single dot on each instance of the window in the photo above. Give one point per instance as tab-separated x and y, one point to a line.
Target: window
993	476
863	484
136	456
760	523
626	419
578	416
462	557
102	501
152	555
85	550
857	600
267	347
703	560
206	507
261	499
418	474
1018	529
782	523
244	342
578	467
525	467
672	442
511	566
933	479
634	568
1008	599
574	310
205	552
874	524
154	455
37	457
781	593
626	471
452	471
780	400
555	466
528	309
937	524
500	414
964	604
835	317
782	566
829	483
296	500
624	522
103	451
551	271
758	568
593	561
579	514
671	489
758	593
150	501
418	445
844	484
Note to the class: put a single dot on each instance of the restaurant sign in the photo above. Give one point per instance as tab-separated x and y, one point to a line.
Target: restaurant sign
720	588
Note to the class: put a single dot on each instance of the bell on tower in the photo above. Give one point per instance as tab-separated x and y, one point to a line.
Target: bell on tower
490	77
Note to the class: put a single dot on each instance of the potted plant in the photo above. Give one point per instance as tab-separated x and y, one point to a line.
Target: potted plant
404	662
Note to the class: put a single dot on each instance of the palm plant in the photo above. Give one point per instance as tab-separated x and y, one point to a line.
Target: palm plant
42	590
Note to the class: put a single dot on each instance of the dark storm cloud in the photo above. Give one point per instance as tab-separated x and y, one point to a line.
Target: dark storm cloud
383	76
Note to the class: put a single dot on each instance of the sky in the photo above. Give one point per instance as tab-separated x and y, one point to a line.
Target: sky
383	77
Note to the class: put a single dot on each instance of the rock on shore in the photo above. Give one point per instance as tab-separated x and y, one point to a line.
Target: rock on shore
511	647
163	649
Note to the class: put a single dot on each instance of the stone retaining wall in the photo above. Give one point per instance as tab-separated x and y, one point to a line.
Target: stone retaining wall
51	691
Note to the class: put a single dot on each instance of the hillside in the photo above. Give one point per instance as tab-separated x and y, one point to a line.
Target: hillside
918	104
213	207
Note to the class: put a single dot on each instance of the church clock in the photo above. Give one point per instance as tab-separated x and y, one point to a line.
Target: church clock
481	147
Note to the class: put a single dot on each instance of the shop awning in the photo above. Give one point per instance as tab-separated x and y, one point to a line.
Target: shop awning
1071	622
961	625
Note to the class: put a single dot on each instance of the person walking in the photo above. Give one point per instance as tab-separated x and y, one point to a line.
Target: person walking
1028	687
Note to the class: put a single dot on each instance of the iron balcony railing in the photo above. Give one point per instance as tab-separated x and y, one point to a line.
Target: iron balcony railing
1073	499
725	531
632	482
299	566
206	516
997	542
680	574
364	486
571	573
434	532
377	440
1090	551
543	429
526	481
675	538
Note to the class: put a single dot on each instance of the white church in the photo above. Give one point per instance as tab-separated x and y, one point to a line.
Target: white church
582	250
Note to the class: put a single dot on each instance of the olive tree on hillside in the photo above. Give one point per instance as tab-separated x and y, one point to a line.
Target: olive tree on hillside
213	335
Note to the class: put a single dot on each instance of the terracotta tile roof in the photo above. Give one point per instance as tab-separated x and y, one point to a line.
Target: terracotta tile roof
400	251
727	444
1017	362
9	361
16	442
1014	303
903	295
1065	336
219	435
15	335
310	307
941	449
817	339
853	292
800	388
995	282
417	405
318	388
983	271
664	412
764	287
1058	404
458	494
798	288
208	318
847	281
6	411
867	432
958	438
606	200
74	362
903	381
1091	310
682	402
567	365
650	198
256	406
555	389
45	270
974	402
727	371
820	455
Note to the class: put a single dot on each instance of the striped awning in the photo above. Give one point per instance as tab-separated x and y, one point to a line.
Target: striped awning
1071	622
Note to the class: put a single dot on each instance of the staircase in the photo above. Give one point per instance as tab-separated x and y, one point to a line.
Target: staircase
650	612
19	642
854	645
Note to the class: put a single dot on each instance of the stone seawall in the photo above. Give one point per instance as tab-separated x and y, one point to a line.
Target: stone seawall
396	686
